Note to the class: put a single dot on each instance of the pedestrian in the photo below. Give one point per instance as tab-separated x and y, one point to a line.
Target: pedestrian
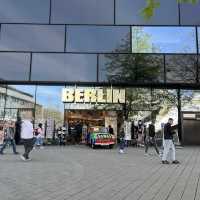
9	138
150	139
27	137
39	136
1	136
121	140
110	130
168	143
140	133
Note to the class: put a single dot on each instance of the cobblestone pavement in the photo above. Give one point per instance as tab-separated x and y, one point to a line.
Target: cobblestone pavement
80	173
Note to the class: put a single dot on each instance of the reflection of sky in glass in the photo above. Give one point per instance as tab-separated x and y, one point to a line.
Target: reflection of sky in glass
50	96
170	39
26	88
47	96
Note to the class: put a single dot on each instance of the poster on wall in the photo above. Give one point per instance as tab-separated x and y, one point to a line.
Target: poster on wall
127	130
50	128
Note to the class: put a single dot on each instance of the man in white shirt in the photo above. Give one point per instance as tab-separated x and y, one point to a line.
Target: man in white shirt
28	138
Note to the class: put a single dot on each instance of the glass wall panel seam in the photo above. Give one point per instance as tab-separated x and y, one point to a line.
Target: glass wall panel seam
197	38
30	70
98	68
65	40
164	65
50	7
114	12
179	14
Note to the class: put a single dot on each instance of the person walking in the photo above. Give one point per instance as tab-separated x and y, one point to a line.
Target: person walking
110	130
39	136
140	134
150	139
9	138
121	140
28	138
168	143
1	136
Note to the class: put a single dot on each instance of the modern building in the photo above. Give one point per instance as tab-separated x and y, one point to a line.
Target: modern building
108	44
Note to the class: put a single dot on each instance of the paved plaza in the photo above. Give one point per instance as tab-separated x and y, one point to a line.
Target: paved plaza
80	173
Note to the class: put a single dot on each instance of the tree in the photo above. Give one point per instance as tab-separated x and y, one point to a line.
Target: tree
151	5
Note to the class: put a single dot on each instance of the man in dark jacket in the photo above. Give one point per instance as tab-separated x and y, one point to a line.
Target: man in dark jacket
150	139
168	143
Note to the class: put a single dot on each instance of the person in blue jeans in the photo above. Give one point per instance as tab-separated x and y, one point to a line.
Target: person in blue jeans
9	139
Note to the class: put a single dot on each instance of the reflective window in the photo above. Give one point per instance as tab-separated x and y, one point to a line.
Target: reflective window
150	68
98	39
138	98
198	38
164	104
129	12
50	108
163	40
190	14
181	68
83	12
64	67
20	96
24	11
32	37
190	100
117	68
2	96
14	66
129	68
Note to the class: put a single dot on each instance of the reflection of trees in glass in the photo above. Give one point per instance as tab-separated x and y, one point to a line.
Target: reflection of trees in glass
142	41
190	100
138	67
181	68
151	5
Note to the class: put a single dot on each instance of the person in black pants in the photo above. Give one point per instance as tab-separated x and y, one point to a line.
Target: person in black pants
150	139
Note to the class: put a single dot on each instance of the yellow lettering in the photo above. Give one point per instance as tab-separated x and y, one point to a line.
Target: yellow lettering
118	96
109	95
90	96
79	95
101	96
67	95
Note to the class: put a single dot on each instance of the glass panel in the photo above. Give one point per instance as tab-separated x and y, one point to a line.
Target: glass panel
2	96
181	68
1	116
164	104
50	110
98	39
150	68
83	12
20	96
129	12
198	32
64	67
23	11
32	37
163	40
128	68
138	99
190	100
117	67
190	14
14	66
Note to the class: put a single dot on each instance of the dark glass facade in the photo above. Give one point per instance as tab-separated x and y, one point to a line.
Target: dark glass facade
101	42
